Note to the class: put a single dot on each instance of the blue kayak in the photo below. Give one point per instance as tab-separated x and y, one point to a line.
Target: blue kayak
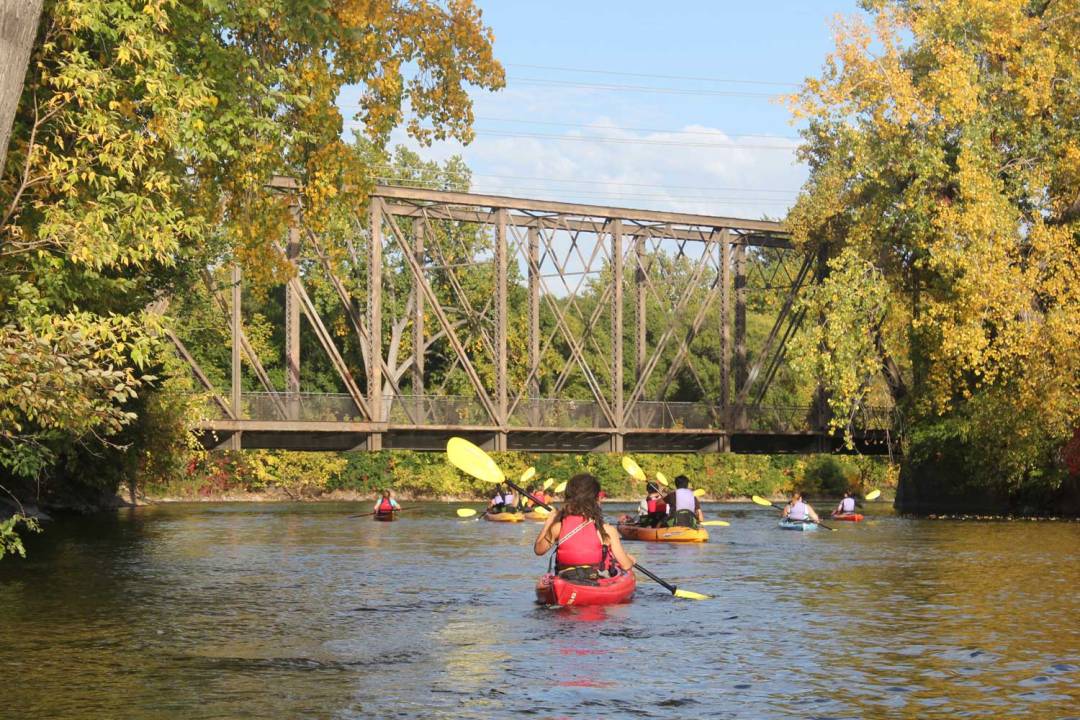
786	524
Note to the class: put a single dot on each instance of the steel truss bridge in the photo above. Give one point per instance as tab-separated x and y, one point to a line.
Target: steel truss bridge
633	264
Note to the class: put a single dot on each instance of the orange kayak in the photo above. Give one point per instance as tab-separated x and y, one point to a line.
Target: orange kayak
505	517
663	534
848	517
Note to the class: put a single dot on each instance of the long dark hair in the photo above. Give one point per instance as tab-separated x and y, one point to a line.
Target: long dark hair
581	492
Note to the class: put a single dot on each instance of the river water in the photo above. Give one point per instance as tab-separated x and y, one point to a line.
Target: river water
298	611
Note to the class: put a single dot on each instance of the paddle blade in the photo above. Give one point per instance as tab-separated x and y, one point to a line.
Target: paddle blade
465	512
716	523
662	479
527	475
561	487
541	511
688	595
700	492
761	501
632	468
873	495
472	460
548	483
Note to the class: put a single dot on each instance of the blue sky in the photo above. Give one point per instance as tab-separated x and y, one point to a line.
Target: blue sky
719	144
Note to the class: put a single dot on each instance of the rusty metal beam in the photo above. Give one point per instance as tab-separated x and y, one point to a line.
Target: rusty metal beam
436	307
600	211
237	377
617	333
501	320
630	226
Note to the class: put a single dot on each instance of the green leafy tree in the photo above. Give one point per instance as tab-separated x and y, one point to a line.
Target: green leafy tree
943	143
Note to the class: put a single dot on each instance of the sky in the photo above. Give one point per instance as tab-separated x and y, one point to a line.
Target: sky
649	105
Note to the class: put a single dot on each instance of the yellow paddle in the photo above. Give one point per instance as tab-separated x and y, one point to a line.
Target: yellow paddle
872	495
632	468
662	479
548	483
465	512
527	475
766	503
561	487
716	523
700	492
471	460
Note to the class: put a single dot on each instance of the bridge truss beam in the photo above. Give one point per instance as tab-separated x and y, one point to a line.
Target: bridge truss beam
546	380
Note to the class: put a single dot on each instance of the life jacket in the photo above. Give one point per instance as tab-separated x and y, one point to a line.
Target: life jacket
385	506
798	512
583	548
656	505
685	500
847	505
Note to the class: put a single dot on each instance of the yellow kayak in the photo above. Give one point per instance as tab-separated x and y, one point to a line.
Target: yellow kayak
537	515
664	534
505	517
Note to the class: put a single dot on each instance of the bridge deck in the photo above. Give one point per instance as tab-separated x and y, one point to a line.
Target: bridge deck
331	422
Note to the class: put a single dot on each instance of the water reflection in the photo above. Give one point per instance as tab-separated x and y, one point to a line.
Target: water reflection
212	611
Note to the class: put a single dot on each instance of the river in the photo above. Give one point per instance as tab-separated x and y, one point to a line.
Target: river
299	611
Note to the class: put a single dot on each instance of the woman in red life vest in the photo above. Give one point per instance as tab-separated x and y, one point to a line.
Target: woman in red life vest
386	505
586	547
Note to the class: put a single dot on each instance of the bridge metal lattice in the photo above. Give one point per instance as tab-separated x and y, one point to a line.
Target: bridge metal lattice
548	313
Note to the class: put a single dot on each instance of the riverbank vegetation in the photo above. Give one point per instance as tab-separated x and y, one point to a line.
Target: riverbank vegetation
428	475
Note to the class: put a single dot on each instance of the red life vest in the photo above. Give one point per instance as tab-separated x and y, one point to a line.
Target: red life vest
584	548
385	506
656	505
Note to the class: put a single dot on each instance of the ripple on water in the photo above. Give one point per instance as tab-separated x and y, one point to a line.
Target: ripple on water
295	611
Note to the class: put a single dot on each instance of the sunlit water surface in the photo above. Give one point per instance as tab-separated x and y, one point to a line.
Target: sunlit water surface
283	611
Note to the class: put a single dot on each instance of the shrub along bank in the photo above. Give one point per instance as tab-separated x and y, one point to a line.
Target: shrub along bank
429	476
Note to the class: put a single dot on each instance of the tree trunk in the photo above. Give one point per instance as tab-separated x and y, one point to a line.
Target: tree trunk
18	28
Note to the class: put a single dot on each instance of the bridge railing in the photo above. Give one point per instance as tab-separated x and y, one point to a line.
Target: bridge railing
434	410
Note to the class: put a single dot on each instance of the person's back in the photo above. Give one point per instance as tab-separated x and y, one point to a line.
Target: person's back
682	505
799	510
585	547
847	505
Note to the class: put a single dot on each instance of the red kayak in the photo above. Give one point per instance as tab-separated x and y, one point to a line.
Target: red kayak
849	517
553	590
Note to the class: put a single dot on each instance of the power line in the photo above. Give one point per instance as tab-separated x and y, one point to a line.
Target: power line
502	189
633	141
637	88
537	178
714	133
650	75
620	141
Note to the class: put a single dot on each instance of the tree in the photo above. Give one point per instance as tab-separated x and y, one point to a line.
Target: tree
944	152
18	25
144	139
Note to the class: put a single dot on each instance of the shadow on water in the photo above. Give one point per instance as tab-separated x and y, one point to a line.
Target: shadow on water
231	610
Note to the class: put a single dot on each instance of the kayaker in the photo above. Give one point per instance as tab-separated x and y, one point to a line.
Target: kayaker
798	510
652	510
586	547
684	509
846	506
504	500
386	504
537	495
